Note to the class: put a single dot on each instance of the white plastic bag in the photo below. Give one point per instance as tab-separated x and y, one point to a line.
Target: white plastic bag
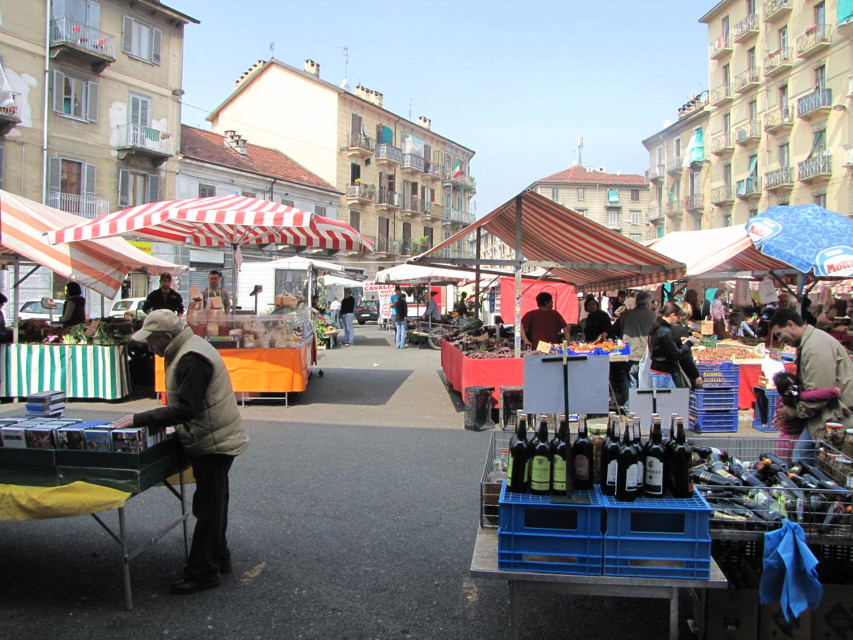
644	375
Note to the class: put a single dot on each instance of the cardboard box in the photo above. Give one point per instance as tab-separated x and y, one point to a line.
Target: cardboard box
773	626
833	619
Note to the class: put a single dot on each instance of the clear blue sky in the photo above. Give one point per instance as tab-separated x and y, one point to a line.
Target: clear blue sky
517	82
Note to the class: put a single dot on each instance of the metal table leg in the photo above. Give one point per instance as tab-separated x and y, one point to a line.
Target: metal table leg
673	614
514	627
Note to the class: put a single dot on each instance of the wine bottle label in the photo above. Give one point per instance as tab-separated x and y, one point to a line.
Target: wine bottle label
559	474
631	478
509	470
612	469
540	474
581	467
654	476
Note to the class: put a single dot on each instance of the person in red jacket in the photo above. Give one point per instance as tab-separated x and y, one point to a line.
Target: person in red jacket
543	324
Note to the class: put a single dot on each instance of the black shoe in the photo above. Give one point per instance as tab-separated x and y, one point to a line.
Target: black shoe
225	566
187	585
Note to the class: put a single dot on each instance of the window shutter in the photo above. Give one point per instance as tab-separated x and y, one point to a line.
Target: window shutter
155	45
153	188
92	101
58	90
127	34
123	188
94	15
134	109
54	175
89	179
144	112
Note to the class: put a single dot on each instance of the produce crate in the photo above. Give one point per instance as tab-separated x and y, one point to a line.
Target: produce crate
512	401
713	399
490	492
538	534
719	374
764	409
713	421
657	538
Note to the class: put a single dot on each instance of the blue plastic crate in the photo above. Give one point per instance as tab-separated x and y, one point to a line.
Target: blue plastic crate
713	421
713	399
764	409
532	514
719	374
661	538
579	555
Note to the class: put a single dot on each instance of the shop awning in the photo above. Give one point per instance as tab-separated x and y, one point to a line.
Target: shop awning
578	250
100	265
717	253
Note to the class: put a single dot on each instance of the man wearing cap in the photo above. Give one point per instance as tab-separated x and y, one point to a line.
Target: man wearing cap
204	412
164	298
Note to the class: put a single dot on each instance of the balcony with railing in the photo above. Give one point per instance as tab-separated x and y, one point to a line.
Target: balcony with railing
387	155
389	200
816	38
360	146
722	196
656	172
815	105
384	244
673	165
72	41
779	179
412	164
720	47
694	203
85	206
748	133
455	252
777	9
848	156
673	208
462	182
613	202
432	170
721	144
746	28
721	94
749	188
134	139
655	212
361	193
10	115
817	168
777	62
411	206
747	80
433	212
461	217
778	120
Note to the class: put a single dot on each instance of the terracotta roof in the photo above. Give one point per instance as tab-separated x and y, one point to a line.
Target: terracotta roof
579	175
207	146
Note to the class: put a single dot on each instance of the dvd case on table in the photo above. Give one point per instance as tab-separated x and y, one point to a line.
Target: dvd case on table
41	437
14	437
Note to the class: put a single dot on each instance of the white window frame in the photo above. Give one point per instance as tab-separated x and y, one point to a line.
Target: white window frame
287	202
612	219
133	44
86	91
319	210
635	216
152	187
636	237
206	190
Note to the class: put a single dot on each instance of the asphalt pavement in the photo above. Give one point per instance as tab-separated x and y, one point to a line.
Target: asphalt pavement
353	516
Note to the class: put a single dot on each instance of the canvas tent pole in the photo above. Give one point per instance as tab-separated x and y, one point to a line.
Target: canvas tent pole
477	279
518	259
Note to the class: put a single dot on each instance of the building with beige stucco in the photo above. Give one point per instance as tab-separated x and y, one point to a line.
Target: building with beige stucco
405	186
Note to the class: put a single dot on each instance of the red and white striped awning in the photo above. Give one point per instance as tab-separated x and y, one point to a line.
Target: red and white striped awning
100	265
717	252
586	254
220	221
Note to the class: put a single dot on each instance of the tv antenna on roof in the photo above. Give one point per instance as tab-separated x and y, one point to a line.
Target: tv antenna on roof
344	83
272	49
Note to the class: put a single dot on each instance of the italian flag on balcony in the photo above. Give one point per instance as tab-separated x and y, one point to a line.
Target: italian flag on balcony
457	171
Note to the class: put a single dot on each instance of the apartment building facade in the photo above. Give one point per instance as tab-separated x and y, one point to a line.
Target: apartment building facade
779	107
404	186
678	175
617	201
94	121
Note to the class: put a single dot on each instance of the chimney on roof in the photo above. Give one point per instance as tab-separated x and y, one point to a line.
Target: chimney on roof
312	67
248	73
373	97
425	122
234	140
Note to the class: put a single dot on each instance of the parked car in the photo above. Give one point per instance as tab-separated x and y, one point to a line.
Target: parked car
367	310
134	305
35	310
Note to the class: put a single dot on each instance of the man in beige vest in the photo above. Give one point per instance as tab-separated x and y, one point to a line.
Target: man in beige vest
203	410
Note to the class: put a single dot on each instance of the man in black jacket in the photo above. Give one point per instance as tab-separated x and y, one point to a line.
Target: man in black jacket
347	314
164	298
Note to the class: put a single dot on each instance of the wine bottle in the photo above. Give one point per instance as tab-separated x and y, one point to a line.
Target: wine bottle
558	463
703	476
641	455
540	471
648	443
720	469
626	482
682	487
834	513
653	484
531	443
610	459
608	437
518	455
582	456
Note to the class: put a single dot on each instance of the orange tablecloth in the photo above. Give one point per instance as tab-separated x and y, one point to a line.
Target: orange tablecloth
461	371
259	370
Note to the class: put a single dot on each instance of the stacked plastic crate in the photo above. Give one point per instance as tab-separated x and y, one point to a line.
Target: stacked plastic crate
713	409
765	409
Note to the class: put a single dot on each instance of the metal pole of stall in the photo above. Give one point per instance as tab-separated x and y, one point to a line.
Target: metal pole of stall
518	259
477	276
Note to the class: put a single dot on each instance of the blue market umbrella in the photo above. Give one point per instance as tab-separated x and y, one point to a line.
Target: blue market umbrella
808	237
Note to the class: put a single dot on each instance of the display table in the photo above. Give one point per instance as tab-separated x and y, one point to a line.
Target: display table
462	372
259	370
484	564
81	371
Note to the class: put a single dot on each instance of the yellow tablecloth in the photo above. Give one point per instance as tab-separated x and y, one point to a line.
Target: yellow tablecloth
18	502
